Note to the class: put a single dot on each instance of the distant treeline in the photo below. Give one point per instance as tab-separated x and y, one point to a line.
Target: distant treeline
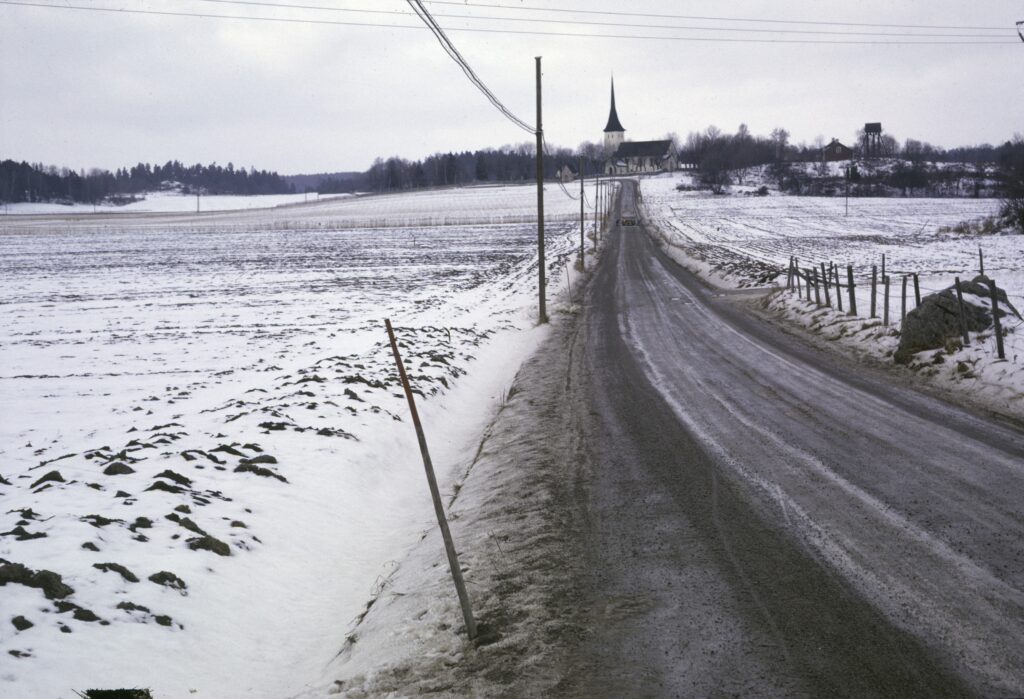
506	164
718	156
712	152
22	182
914	168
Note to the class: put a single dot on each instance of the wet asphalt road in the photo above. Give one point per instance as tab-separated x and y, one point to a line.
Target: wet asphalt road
764	519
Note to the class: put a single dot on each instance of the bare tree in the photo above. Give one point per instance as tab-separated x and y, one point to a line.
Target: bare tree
780	137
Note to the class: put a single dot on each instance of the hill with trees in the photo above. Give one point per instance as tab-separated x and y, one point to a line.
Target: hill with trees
24	182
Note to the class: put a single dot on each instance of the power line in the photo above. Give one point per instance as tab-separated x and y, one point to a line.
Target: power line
453	52
203	15
287	20
590	23
620	13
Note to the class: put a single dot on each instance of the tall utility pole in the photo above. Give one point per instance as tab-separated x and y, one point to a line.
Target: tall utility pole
543	314
583	259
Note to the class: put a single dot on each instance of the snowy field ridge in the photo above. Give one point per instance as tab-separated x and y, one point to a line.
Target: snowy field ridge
207	465
478	205
743	241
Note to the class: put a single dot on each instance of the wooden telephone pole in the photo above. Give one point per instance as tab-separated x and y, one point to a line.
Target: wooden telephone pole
543	313
583	259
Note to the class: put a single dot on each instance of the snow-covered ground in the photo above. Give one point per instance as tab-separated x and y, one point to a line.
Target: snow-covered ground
487	204
166	202
204	437
747	241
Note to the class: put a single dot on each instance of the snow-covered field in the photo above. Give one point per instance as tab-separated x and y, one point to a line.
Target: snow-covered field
165	202
483	204
747	241
204	438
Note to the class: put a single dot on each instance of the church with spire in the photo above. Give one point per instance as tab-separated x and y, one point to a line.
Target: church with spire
624	157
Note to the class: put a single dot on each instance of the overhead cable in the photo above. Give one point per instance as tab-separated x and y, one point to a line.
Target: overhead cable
622	13
591	23
453	52
515	32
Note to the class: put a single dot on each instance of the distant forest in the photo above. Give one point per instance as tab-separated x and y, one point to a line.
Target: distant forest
22	182
506	164
716	156
713	153
719	157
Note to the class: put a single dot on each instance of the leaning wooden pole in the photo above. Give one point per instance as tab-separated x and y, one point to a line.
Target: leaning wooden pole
435	494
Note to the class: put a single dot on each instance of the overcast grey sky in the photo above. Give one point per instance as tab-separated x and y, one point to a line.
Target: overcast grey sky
95	89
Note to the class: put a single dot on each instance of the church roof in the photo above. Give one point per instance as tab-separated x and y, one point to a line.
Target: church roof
643	149
613	117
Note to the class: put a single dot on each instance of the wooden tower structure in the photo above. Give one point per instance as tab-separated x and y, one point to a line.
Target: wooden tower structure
873	140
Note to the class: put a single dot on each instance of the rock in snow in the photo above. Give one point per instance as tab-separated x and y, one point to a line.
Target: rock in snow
937	319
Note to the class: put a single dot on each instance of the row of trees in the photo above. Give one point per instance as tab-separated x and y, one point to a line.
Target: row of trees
24	182
717	155
510	163
715	152
915	167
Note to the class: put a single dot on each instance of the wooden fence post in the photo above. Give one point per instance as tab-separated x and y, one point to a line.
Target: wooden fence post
839	287
883	266
824	279
903	303
917	292
874	290
981	261
789	274
885	302
435	494
807	279
962	314
995	320
853	299
817	288
799	289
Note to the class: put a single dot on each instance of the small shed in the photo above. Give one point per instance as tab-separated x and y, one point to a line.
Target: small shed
835	151
565	174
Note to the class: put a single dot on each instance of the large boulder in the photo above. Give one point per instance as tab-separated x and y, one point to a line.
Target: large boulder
936	321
